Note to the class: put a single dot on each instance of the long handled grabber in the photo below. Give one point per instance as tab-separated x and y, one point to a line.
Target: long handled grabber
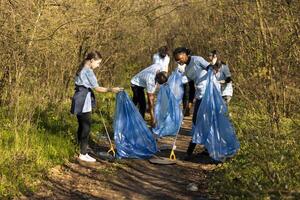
167	161
172	154
110	154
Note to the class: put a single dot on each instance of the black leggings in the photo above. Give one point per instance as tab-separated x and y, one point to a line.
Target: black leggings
84	126
139	98
192	145
188	92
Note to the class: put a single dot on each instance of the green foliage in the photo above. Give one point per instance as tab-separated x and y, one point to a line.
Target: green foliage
268	163
26	155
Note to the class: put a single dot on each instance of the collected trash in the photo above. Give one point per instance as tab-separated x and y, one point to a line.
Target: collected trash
133	139
168	113
213	128
192	187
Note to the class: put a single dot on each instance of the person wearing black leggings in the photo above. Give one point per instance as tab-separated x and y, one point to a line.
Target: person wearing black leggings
84	100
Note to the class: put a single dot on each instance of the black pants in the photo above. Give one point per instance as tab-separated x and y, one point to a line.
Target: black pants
188	93
192	145
139	98
84	126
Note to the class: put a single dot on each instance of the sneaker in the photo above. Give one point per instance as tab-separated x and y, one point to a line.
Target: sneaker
86	158
90	158
205	152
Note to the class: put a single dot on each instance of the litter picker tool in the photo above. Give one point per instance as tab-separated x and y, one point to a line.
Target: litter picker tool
110	154
166	161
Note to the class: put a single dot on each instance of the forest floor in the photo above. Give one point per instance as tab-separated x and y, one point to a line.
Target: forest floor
132	178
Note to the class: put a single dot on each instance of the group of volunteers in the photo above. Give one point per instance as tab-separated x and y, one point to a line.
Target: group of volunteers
193	68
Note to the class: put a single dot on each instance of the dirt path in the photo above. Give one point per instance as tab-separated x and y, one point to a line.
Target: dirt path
131	179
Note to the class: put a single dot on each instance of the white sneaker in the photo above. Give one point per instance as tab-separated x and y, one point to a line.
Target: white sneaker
86	158
90	158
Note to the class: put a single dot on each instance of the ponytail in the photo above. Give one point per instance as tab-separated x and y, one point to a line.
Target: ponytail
92	55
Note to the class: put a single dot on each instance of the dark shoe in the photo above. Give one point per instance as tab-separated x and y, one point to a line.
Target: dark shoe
205	152
188	158
216	162
187	112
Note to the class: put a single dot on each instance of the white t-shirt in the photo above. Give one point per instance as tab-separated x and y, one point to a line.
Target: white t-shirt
164	62
146	78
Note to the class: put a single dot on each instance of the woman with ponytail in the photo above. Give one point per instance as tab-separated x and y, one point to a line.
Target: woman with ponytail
84	99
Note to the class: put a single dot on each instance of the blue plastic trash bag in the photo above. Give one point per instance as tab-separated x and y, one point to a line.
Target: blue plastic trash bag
175	82
168	113
133	138
213	128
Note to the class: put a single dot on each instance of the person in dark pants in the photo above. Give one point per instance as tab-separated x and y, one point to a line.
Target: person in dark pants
84	100
195	70
147	78
188	92
188	97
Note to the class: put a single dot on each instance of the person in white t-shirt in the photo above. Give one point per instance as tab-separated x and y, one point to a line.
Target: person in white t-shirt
162	57
147	79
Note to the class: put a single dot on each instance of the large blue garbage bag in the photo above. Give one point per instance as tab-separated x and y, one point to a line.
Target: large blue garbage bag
175	82
133	138
168	113
213	128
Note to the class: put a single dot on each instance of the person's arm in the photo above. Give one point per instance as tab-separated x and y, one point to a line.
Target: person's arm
150	97
150	88
203	63
103	89
227	73
94	84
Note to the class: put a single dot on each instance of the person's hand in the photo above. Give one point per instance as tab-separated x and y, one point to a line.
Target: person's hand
222	81
117	89
214	60
153	123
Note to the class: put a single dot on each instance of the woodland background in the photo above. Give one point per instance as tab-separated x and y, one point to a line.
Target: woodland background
43	41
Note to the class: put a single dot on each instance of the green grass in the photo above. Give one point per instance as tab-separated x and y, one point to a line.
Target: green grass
29	149
27	155
268	163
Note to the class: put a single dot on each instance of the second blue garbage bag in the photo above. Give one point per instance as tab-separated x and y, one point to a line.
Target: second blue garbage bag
168	113
175	82
133	139
213	128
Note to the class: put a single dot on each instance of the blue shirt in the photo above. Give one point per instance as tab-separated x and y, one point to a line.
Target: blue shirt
196	71
87	78
146	78
223	74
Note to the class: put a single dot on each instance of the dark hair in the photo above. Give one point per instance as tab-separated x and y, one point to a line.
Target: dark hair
213	52
216	52
91	55
218	64
181	50
163	51
161	77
